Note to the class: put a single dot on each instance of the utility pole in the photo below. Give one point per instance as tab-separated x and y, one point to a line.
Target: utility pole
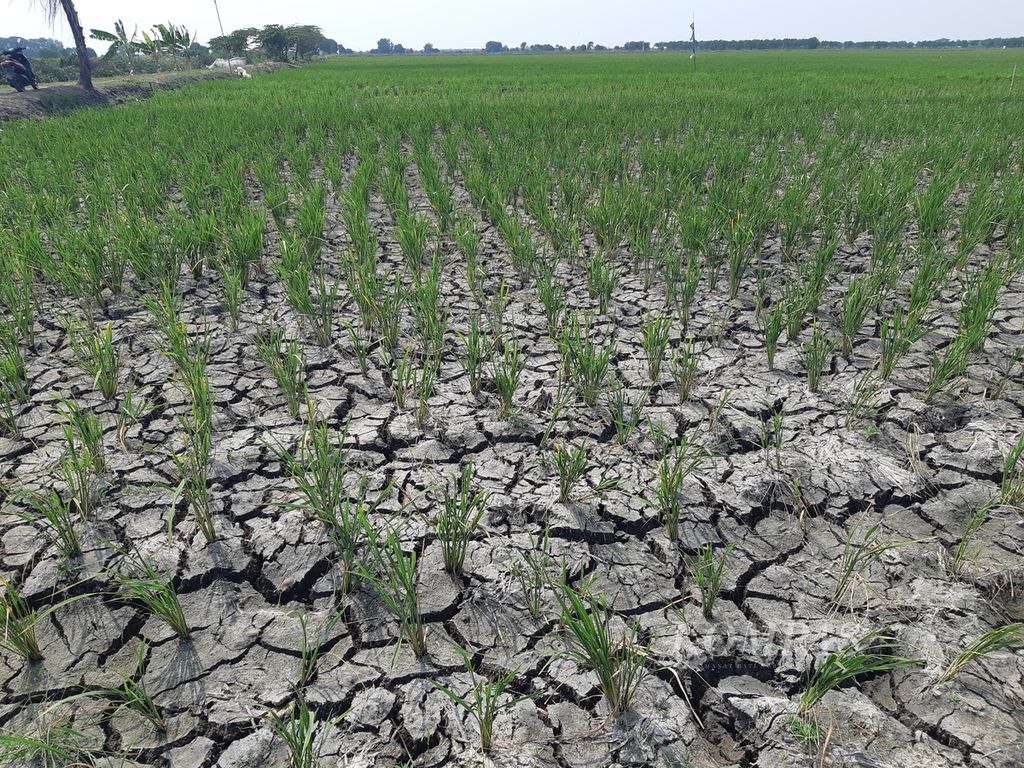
219	22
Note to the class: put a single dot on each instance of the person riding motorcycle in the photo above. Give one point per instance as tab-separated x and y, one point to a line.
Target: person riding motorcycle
16	69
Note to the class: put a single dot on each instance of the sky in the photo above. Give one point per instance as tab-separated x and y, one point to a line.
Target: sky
470	23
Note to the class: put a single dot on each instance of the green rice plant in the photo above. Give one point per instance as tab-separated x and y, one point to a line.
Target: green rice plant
933	213
816	353
571	466
871	654
413	235
133	408
287	364
234	292
458	520
1011	489
964	552
707	573
425	389
684	366
533	571
899	333
13	373
323	302
346	528
948	368
296	273
388	314
53	516
620	663
655	341
97	355
429	311
858	556
740	242
392	574
301	733
678	463
496	307
468	241
474	353
77	468
856	303
485	699
627	414
772	331
83	431
772	435
931	275
140	584
245	242
586	361
507	374
684	289
999	639
58	746
602	277
359	346
131	694
192	461
18	298
552	296
19	631
403	379
309	217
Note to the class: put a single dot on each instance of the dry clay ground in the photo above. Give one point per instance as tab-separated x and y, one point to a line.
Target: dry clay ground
719	688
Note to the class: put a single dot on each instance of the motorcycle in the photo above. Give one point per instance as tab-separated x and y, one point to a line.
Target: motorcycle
16	70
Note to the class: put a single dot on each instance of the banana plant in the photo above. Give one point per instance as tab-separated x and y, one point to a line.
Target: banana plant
120	42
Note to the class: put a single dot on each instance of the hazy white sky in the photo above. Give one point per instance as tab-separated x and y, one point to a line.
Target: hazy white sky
470	23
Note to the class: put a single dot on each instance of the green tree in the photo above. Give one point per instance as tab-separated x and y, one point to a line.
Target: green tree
273	39
235	43
493	46
384	45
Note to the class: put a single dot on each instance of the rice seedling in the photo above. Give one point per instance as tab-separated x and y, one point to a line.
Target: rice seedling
139	583
301	733
533	571
619	662
552	296
655	341
507	374
856	303
984	645
707	573
13	374
899	333
858	556
458	520
586	361
678	463
53	516
468	241
475	353
57	745
18	298
816	352
287	364
134	407
1011	489
964	552
131	694
403	379
392	574
627	414
425	390
413	235
19	633
571	466
77	468
234	293
772	435
684	366
871	654
602	277
485	699
83	433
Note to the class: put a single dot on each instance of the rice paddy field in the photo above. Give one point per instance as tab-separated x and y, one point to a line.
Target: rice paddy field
519	410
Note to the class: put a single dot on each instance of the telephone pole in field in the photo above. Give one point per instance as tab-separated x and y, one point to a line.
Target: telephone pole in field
219	22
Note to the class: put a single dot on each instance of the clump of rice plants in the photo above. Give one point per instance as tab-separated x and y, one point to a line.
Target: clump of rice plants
1011	490
287	364
707	573
54	517
571	465
655	341
617	659
97	355
817	351
858	556
139	583
685	366
458	520
485	699
508	372
678	463
999	639
587	362
393	575
964	551
19	631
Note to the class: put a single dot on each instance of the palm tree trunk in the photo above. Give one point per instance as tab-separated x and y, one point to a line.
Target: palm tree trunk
84	70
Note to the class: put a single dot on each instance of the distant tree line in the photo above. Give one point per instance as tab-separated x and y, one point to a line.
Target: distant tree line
40	47
811	43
